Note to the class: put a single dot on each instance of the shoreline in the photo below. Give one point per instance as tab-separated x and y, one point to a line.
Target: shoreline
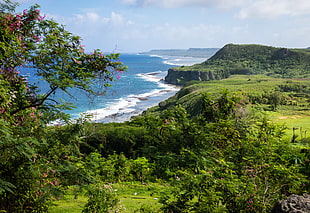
123	109
140	105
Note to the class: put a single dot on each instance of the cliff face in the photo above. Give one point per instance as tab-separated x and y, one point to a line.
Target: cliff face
179	77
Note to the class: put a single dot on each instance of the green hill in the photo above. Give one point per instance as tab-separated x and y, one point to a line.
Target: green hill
247	59
283	97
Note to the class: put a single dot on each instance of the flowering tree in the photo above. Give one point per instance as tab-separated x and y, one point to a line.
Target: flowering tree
28	148
28	39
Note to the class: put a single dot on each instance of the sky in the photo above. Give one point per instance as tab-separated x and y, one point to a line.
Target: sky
141	25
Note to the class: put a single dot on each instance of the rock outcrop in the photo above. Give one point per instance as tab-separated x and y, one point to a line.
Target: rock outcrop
179	77
293	204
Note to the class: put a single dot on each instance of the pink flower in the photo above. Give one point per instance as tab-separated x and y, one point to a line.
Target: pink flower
9	17
41	17
118	77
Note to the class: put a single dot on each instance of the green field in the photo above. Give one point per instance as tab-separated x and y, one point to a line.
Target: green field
133	197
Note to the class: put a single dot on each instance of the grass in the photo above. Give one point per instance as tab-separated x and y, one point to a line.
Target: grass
135	195
68	205
297	117
132	197
293	119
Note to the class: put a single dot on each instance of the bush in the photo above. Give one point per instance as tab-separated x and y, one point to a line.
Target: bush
102	199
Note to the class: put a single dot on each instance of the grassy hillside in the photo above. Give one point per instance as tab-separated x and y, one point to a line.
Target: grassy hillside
256	59
225	158
259	90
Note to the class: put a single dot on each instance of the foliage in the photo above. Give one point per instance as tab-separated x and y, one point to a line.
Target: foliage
238	173
255	59
224	160
237	161
58	57
134	197
207	141
102	199
263	93
37	160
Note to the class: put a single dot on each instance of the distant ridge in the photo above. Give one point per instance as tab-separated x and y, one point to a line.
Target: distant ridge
246	59
191	52
260	59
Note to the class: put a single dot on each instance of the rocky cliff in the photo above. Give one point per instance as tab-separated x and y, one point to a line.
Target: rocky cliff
179	77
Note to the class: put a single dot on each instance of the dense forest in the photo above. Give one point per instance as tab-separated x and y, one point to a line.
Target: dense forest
216	146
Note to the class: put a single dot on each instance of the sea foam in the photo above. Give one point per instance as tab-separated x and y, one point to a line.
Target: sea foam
123	108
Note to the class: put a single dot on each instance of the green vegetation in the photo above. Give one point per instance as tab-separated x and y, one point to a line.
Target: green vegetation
257	88
228	158
37	160
216	146
255	59
133	197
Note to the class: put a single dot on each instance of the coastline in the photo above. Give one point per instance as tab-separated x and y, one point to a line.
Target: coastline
123	109
134	105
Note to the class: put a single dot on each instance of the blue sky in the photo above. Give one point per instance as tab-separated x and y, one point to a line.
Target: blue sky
142	25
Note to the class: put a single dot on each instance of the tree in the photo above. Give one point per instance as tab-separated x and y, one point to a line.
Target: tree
32	155
58	57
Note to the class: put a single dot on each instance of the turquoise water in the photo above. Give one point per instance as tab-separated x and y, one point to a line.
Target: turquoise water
139	88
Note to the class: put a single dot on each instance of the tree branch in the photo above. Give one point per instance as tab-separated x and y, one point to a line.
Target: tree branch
37	103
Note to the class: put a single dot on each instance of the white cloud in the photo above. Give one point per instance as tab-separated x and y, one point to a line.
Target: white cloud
102	31
274	8
245	8
105	31
95	20
171	36
88	17
129	1
184	3
96	29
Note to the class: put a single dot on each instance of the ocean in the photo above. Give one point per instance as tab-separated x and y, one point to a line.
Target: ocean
142	86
